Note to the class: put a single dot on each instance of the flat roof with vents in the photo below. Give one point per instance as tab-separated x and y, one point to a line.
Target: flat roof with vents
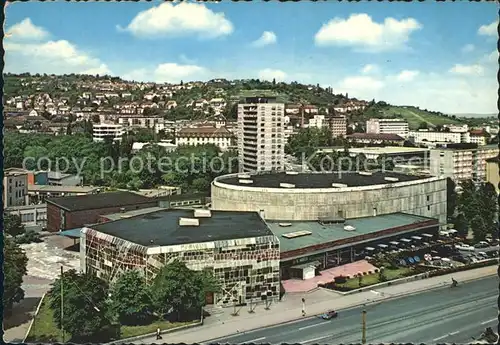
299	235
318	180
179	226
296	234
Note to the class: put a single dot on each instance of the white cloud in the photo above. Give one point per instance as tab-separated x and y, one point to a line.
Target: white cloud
359	30
488	30
174	73
179	20
467	69
468	48
58	57
270	74
449	93
370	68
101	70
267	38
407	75
356	83
25	30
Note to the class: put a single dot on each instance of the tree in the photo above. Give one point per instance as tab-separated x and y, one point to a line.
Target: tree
488	210
423	125
461	225
451	198
14	269
13	225
131	299
201	184
85	304
178	290
479	229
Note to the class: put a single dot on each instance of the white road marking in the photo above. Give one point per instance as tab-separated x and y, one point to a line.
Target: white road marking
311	340
455	333
253	340
442	337
318	324
485	322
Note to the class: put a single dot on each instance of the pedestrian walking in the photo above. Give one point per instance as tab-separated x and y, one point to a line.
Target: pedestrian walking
158	334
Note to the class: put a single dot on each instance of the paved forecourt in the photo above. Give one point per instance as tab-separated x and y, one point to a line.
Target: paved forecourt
444	315
224	325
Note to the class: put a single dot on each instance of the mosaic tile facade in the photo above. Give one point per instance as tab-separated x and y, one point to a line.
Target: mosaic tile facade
248	269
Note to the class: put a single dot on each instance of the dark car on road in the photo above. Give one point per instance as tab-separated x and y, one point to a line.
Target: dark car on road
332	314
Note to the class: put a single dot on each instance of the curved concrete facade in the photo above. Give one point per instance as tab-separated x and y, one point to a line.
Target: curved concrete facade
424	197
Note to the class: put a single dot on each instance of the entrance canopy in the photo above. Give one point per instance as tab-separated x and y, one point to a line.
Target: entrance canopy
427	235
72	233
370	249
306	265
394	243
382	245
405	240
416	238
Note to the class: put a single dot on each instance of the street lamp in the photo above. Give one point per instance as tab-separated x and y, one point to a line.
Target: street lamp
363	325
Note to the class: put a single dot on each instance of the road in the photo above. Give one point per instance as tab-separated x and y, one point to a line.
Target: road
438	316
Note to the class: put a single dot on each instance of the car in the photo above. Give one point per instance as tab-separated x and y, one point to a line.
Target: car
332	314
464	247
481	244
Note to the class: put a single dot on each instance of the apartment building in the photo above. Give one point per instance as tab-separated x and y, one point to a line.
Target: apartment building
261	142
219	137
425	136
338	126
100	131
317	121
139	121
479	137
462	162
388	126
492	172
15	187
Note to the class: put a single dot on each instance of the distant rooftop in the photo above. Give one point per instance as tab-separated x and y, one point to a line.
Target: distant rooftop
161	228
97	201
375	136
318	180
61	189
331	232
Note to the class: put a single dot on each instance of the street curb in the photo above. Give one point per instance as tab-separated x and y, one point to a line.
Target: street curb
357	305
171	330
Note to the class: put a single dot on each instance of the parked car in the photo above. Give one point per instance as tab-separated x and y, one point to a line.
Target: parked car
464	247
332	314
482	244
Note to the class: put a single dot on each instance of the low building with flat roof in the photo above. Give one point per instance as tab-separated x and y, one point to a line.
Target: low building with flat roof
330	242
38	193
71	212
238	247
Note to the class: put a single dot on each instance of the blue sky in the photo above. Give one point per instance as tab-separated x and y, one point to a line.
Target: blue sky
439	56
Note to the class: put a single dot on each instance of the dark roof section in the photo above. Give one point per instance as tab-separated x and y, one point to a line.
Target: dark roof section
162	227
319	180
493	160
97	201
375	136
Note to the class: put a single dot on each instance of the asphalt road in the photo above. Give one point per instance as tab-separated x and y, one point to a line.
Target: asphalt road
447	315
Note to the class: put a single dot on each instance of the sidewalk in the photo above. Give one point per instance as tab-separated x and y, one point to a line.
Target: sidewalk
290	308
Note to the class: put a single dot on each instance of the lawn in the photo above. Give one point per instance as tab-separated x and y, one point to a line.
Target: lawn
44	328
371	279
416	116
